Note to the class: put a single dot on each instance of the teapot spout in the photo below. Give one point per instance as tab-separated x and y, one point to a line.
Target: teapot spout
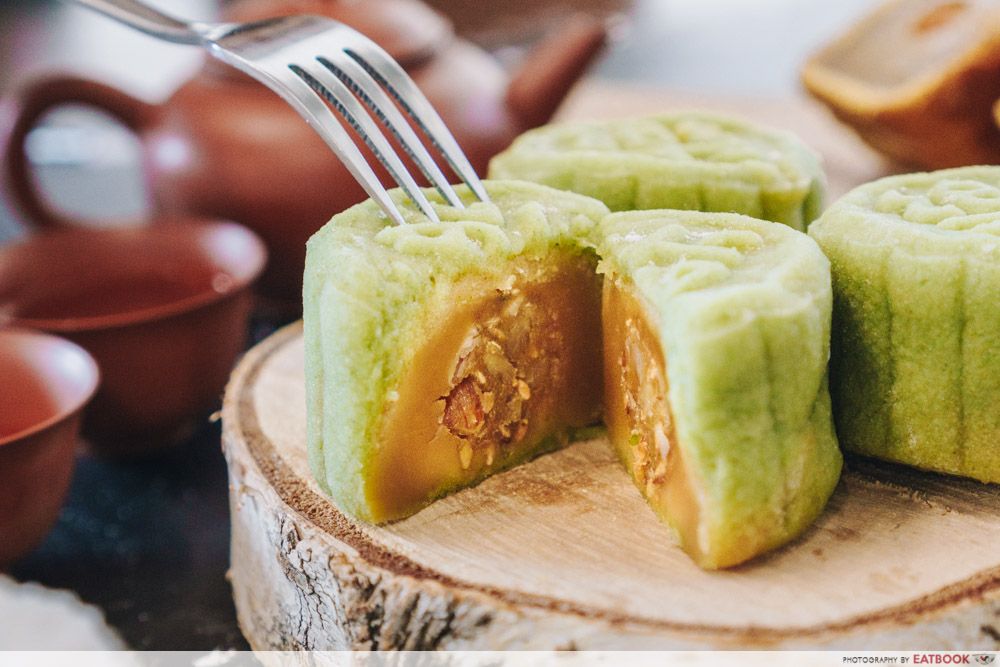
546	76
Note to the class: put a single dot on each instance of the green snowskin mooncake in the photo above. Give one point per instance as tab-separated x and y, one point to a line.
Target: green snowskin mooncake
716	330
915	370
439	353
682	161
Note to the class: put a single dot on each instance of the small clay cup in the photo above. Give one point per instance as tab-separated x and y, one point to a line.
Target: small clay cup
163	308
44	383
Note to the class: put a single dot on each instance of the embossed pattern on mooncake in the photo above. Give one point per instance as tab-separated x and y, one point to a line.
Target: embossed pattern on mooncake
916	272
682	161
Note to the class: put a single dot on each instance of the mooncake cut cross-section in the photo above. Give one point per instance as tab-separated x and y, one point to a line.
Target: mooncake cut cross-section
716	339
690	161
915	366
440	353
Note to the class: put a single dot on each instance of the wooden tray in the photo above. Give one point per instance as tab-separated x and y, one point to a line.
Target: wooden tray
564	553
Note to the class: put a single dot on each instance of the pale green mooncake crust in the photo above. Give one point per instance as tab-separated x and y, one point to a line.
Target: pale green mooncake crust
369	287
743	309
915	372
686	161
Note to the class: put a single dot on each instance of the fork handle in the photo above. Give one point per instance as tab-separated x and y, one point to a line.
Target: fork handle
148	20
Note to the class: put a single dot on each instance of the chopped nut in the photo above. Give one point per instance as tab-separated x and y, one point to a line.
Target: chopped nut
465	454
512	308
508	359
491	452
640	453
660	472
494	329
661	440
522	430
523	390
468	345
463	411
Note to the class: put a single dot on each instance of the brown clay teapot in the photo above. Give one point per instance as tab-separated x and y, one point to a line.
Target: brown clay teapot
227	147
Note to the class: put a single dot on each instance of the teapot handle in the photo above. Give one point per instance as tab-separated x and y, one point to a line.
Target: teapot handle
22	110
539	85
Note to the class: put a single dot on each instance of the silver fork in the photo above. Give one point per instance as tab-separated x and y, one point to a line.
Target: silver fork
312	60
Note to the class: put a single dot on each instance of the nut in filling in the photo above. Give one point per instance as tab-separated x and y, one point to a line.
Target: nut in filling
517	347
503	372
643	385
638	414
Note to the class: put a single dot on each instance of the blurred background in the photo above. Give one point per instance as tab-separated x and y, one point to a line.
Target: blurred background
88	165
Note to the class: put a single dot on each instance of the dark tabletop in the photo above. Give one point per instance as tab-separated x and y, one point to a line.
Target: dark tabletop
148	542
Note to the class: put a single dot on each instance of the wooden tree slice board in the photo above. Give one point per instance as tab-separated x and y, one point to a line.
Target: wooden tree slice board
564	553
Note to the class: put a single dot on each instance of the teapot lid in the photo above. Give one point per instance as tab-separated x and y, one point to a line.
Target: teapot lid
408	29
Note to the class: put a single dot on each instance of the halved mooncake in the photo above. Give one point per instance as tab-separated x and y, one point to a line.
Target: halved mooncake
915	369
691	161
716	330
440	353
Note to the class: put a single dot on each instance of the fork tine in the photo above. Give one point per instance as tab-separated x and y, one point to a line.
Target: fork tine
314	110
390	74
368	90
348	106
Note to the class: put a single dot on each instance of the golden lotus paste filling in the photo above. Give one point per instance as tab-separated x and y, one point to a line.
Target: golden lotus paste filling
508	369
638	415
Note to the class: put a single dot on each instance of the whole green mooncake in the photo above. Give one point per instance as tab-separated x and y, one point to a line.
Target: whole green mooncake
440	353
915	370
681	161
716	330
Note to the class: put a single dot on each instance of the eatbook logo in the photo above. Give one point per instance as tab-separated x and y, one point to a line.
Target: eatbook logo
984	658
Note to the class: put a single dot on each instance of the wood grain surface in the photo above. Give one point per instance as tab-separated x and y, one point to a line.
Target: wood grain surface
564	553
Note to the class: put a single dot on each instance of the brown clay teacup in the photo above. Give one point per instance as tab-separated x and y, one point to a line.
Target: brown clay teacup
44	383
163	308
